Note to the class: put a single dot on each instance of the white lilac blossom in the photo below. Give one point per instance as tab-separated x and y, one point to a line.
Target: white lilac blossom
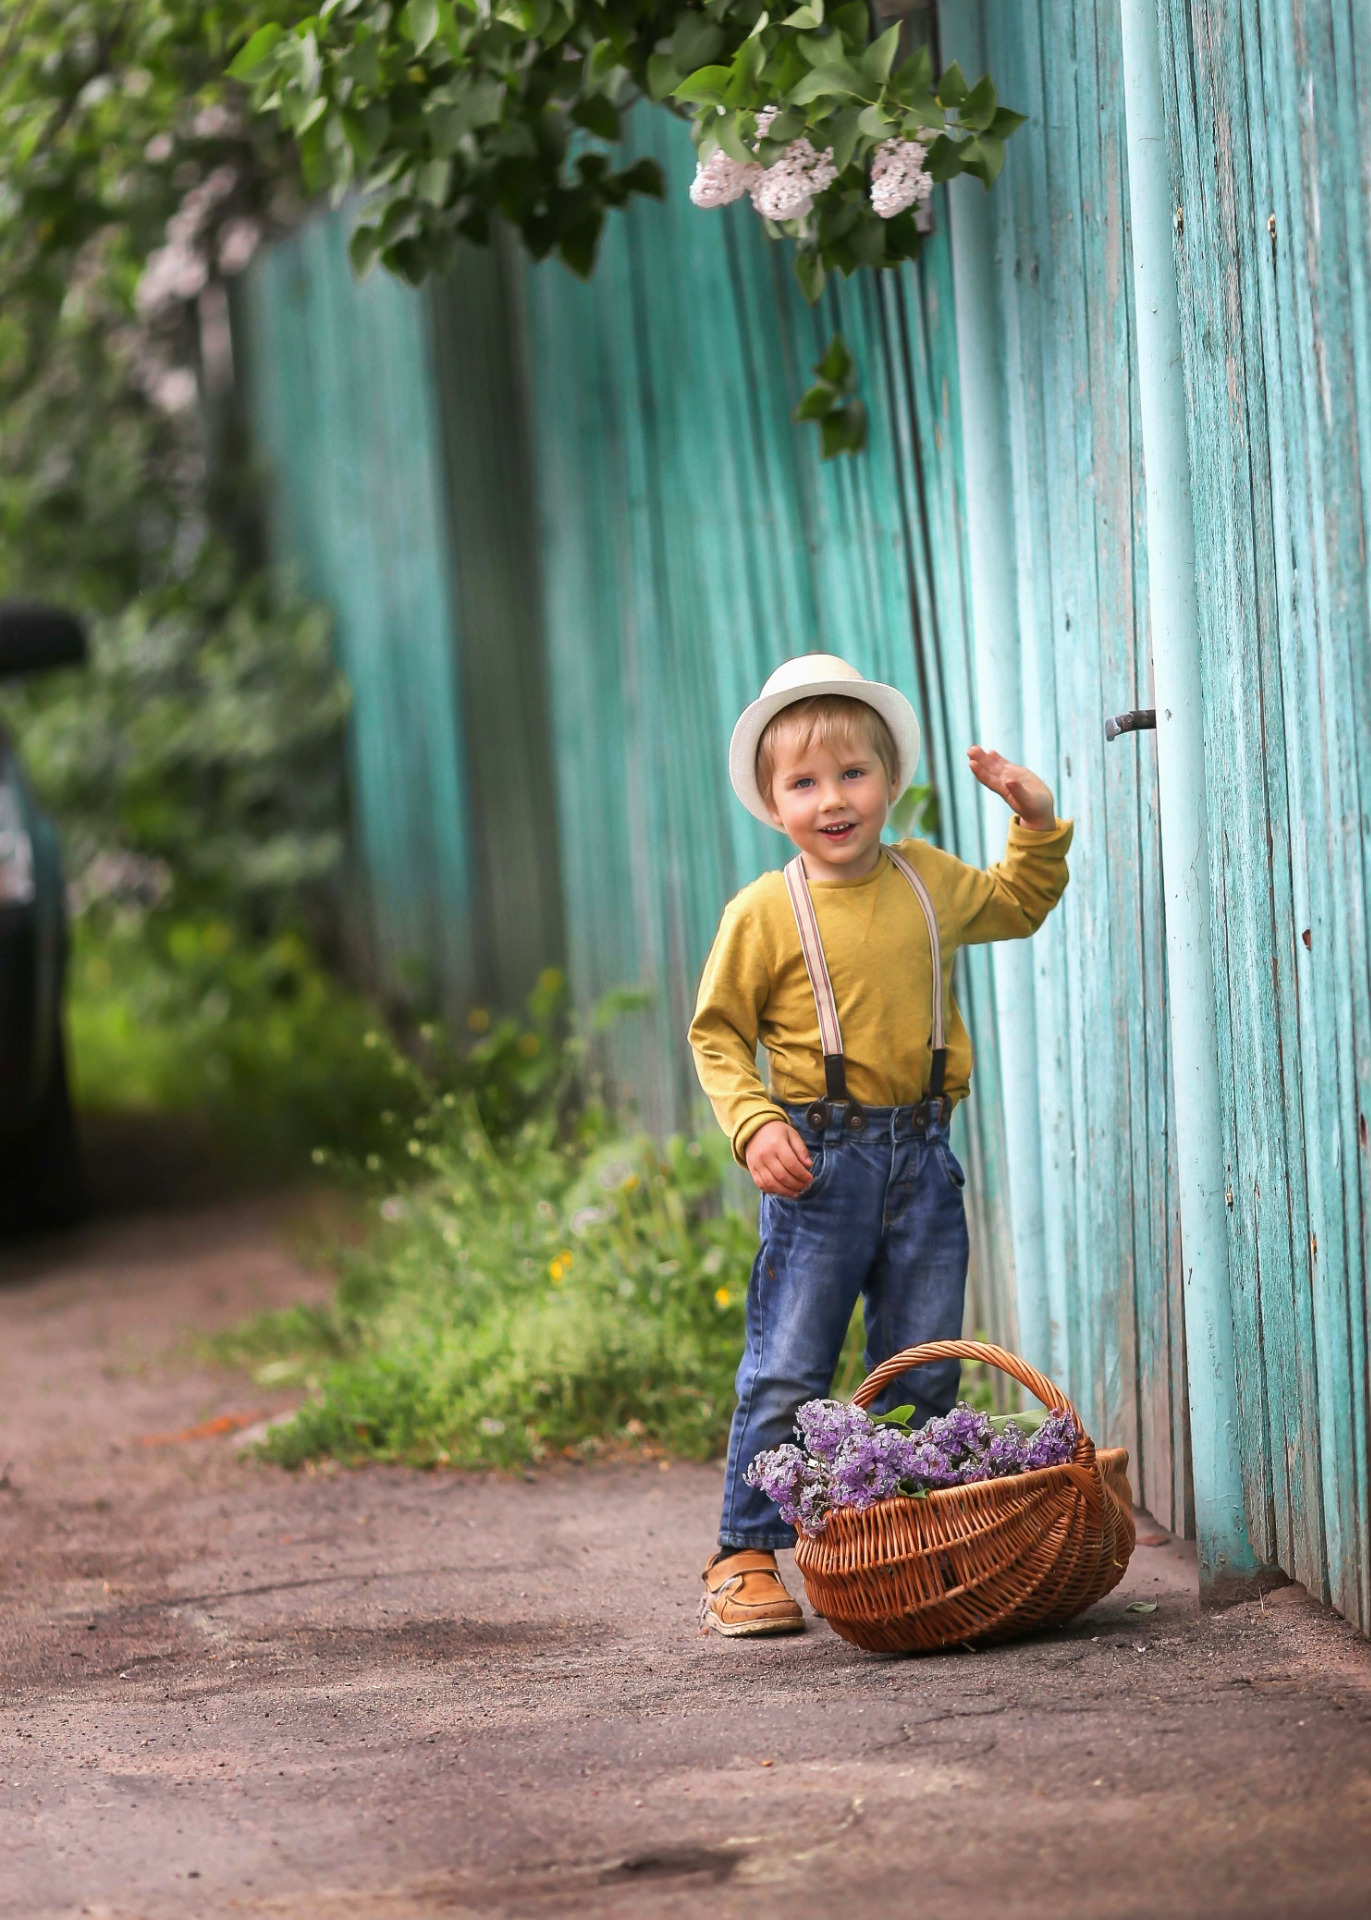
786	190
782	191
721	180
898	177
851	1460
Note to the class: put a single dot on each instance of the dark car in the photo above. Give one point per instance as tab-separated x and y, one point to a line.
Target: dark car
40	1161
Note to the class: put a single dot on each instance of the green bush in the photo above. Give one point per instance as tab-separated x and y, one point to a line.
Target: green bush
557	1289
189	1015
196	761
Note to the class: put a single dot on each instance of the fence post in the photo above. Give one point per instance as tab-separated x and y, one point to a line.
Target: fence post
1225	1552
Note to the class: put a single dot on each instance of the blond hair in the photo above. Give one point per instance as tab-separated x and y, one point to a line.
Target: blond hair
828	719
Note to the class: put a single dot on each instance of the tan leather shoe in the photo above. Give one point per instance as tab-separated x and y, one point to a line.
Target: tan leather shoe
744	1594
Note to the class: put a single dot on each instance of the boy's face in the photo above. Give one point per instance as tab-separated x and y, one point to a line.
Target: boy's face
832	801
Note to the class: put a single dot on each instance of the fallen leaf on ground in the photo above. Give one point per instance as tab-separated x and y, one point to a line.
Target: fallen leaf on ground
206	1430
1141	1606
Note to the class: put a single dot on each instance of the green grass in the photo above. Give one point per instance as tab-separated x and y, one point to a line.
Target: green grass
522	1297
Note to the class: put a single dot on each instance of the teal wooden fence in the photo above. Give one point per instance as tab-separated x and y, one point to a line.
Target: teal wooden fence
1106	1270
342	391
1270	109
586	548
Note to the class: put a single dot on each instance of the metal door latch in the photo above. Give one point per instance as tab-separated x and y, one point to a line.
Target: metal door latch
1141	720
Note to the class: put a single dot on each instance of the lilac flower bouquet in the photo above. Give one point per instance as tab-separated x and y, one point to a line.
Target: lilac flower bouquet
848	1458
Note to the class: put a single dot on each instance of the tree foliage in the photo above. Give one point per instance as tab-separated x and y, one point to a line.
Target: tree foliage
116	124
448	112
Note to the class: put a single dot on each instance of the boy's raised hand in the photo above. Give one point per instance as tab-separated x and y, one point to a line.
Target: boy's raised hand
1018	787
778	1160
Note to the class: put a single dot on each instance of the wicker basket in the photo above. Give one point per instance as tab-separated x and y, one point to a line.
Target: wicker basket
967	1565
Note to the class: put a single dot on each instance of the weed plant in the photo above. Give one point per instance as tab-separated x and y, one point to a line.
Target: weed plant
535	1280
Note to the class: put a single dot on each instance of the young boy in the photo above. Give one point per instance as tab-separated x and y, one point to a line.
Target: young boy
841	966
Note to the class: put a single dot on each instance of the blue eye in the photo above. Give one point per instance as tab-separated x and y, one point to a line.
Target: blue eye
854	773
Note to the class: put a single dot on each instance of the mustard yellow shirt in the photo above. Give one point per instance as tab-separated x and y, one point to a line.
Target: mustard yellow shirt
755	987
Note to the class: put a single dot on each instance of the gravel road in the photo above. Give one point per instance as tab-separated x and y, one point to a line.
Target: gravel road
228	1690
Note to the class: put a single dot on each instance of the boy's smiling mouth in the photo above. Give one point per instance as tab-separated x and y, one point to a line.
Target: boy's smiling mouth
840	831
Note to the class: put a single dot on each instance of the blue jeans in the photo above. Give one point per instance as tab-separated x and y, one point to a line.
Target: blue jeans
883	1217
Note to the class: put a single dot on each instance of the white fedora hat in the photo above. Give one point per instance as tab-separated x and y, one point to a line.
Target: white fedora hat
802	679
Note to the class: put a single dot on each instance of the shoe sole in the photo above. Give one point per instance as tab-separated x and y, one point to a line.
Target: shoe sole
751	1629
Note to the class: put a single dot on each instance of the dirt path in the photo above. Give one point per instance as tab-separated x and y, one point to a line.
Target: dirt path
232	1691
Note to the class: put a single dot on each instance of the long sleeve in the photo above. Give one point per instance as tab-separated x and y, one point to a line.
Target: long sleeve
1010	900
734	988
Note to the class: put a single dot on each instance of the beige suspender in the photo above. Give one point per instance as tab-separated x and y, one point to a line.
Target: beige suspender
830	1031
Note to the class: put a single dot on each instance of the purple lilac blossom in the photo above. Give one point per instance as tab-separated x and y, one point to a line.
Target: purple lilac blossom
823	1426
796	1481
870	1466
849	1460
1055	1441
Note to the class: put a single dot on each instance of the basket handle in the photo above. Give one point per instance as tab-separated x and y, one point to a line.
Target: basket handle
1084	1469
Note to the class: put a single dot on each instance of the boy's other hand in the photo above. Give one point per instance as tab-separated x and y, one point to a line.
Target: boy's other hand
778	1160
1019	787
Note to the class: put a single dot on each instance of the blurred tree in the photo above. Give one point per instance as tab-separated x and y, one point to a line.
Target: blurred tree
197	761
130	179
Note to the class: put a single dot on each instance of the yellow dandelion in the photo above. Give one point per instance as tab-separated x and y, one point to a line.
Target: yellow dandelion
565	1257
722	1297
556	1269
631	1183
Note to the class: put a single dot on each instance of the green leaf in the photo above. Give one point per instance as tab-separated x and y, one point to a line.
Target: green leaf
978	109
1006	121
841	134
879	57
873	123
816	403
1141	1606
313	157
365	131
806	18
644	176
916	75
809	271
604	59
868	240
952	87
597	115
837	363
363	247
662	73
706	86
897	1416
577	245
839	82
725	131
420	22
844	431
748	62
695	42
818	49
257	52
909	812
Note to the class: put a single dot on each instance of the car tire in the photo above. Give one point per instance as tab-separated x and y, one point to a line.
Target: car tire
43	1182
